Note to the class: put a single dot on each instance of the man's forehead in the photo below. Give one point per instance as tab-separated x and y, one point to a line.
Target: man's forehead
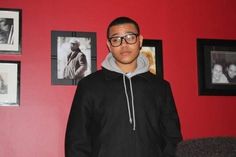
124	25
122	29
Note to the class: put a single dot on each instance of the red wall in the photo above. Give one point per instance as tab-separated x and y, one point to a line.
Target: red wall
37	127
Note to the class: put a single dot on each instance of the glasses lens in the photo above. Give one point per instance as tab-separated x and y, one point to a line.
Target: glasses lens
116	41
131	38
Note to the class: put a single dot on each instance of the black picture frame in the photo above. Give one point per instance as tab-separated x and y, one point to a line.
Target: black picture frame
60	48
10	33
9	83
215	58
152	49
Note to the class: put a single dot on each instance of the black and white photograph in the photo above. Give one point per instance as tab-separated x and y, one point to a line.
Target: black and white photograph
223	67
9	83
152	49
216	66
73	56
10	31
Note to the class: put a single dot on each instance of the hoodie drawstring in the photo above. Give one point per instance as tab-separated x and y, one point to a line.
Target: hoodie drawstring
132	102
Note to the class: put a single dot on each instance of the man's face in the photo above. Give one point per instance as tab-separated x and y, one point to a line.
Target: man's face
3	25
74	46
125	53
232	71
217	71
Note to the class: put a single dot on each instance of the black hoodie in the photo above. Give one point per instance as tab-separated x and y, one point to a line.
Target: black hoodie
122	115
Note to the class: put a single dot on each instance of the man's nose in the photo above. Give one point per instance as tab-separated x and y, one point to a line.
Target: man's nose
123	42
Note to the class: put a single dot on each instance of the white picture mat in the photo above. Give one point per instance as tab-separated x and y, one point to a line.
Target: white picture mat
11	71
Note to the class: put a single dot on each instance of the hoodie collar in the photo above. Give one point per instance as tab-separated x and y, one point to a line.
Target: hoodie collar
142	65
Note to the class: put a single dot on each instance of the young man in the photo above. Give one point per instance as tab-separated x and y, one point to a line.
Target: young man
123	110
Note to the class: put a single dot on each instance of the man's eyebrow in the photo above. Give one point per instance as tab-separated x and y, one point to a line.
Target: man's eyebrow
129	32
114	34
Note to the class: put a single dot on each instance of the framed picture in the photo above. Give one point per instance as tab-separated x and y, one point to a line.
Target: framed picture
9	83
152	49
216	66
73	56
10	31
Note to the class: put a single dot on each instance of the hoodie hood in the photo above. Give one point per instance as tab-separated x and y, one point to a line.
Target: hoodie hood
142	65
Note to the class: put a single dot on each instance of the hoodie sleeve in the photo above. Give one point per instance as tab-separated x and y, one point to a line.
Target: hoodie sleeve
170	125
78	138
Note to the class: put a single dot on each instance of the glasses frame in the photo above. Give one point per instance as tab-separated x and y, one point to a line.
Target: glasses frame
124	37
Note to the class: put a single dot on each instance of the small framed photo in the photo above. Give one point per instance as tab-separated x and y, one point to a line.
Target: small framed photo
216	66
152	49
10	31
9	83
73	56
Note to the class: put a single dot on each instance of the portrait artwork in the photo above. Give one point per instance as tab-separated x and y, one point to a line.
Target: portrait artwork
216	66
73	56
10	31
9	83
152	49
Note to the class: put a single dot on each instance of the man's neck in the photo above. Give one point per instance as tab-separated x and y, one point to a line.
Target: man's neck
127	68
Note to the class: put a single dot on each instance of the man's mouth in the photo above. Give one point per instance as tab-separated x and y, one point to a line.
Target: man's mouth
125	53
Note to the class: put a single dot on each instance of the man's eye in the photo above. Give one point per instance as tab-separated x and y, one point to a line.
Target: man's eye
130	36
115	39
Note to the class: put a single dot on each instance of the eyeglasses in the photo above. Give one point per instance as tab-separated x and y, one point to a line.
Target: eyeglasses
129	39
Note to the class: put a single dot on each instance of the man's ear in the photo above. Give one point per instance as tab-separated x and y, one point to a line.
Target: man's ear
108	45
140	41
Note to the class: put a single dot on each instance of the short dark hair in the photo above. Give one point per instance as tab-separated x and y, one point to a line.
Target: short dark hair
122	20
